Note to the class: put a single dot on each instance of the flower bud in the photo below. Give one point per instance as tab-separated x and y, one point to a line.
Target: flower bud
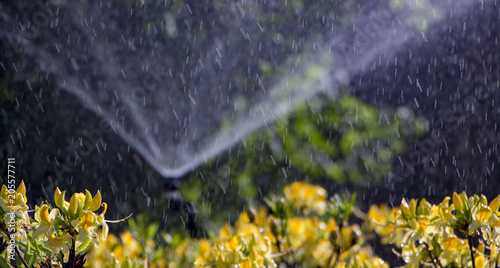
495	203
96	202
87	200
405	209
75	207
22	189
457	203
59	200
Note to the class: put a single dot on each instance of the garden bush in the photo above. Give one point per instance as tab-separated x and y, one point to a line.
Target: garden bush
300	228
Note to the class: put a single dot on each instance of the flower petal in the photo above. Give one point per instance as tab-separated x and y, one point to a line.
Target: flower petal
96	202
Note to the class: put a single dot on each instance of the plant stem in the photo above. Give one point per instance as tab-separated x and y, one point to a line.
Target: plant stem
72	252
469	239
21	257
435	262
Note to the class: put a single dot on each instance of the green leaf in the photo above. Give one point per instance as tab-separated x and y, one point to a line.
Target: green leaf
133	225
40	247
18	261
84	245
30	259
178	239
3	263
28	256
150	232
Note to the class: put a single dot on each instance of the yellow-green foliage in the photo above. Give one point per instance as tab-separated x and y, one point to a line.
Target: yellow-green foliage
295	229
56	235
443	235
301	228
307	229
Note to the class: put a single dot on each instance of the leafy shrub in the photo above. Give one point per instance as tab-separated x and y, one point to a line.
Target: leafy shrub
57	236
302	228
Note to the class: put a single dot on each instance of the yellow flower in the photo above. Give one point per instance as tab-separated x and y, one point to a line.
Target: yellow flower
102	221
245	246
322	253
410	255
14	201
58	242
62	204
88	221
445	210
204	256
131	247
365	258
45	220
304	231
232	244
102	254
261	217
78	202
10	197
306	197
453	247
483	214
95	202
382	220
80	209
86	225
90	203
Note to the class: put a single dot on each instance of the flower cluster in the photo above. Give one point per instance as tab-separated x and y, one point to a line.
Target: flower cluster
300	229
126	250
275	236
14	218
464	233
56	235
14	202
291	231
306	197
71	224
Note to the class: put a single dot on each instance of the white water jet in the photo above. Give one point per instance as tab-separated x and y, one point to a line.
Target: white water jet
183	81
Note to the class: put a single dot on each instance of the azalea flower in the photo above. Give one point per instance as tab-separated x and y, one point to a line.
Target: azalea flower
306	197
103	223
11	200
58	242
45	217
86	225
13	207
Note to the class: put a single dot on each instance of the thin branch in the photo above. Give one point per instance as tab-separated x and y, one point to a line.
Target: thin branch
21	257
434	260
72	252
469	239
120	220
